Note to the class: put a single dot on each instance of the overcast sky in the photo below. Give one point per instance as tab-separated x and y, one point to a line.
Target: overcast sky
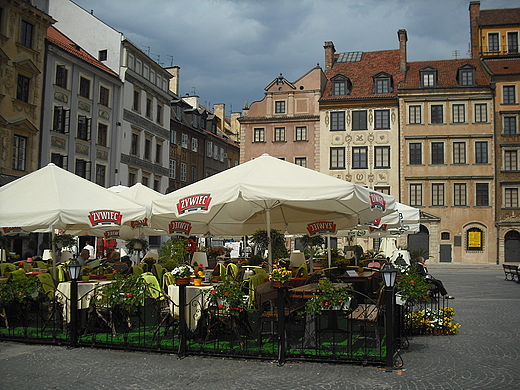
229	51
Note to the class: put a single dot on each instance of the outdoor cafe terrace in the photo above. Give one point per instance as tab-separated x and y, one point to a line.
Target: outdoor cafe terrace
339	314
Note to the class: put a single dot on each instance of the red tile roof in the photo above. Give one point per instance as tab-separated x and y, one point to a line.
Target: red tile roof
446	72
361	74
498	17
59	39
509	66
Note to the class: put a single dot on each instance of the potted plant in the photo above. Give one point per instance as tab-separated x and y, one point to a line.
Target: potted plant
136	245
229	296
85	273
64	240
182	274
280	276
412	287
329	297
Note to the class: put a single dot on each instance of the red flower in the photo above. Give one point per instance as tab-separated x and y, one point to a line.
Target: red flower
129	294
220	305
213	291
412	281
326	303
226	293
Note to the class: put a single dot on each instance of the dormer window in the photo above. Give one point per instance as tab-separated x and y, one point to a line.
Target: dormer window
466	75
382	83
428	77
341	86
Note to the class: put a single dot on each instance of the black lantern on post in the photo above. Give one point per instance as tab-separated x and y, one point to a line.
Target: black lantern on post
389	273
74	268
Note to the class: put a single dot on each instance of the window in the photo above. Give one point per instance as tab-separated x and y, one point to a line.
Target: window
428	77
59	160
131	179
301	161
337	158
414	115
193	173
337	120
209	149
159	113
509	125
512	42
82	169
185	140
195	121
157	185
101	175
158	153
301	133
221	156
22	88
510	160
382	84
84	87
194	144
445	236
339	87
61	120
459	194
437	194
437	153
481	152
359	120
171	171
102	135
509	94
459	153
103	55
279	134
493	42
134	147
215	152
467	76
482	194
173	137
62	75
382	156
481	113
148	107
147	148
415	194
437	114
184	172
84	127
458	113
359	157
137	99
26	34
19	152
415	153
511	197
382	121
383	189
259	135
104	96
279	107
474	239
145	181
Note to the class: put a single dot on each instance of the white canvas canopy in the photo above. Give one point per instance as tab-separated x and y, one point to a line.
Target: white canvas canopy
267	193
53	198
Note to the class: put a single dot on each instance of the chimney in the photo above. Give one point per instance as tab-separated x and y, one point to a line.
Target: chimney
219	109
329	55
174	81
403	38
474	14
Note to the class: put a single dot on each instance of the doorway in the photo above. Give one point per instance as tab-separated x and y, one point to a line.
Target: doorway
512	246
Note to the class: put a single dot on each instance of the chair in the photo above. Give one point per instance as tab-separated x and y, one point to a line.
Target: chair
168	279
40	264
136	270
233	271
302	271
367	315
49	297
6	267
153	284
158	270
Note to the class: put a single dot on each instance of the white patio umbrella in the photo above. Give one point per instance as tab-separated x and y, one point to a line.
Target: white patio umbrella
53	198
267	193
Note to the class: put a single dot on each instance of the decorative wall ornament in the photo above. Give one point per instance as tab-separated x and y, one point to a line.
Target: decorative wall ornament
381	138
337	139
60	96
327	118
370	137
104	114
359	139
83	106
82	149
370	116
102	154
58	142
393	116
359	177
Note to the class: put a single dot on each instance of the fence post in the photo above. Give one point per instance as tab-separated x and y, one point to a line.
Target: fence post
281	325
182	320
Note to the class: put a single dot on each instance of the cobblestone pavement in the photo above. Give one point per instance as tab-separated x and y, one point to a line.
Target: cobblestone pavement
485	355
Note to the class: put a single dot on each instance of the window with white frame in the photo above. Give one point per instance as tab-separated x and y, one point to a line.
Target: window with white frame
382	157
510	160
509	92
173	137
185	140
301	161
436	113
184	172
459	153
62	76
382	83
415	114
512	42
194	144
337	158
279	134
216	155
458	113
416	194
493	41
481	113
279	107
301	133
428	77
209	149
171	171
61	119
511	197
460	194
193	173
437	194
259	135
84	87
19	152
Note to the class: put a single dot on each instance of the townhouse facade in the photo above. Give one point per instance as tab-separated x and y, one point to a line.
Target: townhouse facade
494	40
285	123
80	112
23	30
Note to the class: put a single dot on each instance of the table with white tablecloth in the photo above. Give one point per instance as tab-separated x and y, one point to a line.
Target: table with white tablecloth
85	292
196	301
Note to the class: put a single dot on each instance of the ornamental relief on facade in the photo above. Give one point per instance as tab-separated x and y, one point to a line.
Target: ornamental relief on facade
82	149
4	143
104	114
382	178
83	106
25	108
370	117
359	177
58	142
62	97
8	81
359	139
337	139
381	138
101	154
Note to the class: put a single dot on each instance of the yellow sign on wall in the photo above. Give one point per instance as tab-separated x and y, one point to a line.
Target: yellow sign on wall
474	239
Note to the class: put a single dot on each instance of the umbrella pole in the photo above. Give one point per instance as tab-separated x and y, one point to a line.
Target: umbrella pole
269	246
53	253
329	254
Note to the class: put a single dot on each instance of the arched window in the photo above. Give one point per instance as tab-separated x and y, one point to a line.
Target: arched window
474	239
